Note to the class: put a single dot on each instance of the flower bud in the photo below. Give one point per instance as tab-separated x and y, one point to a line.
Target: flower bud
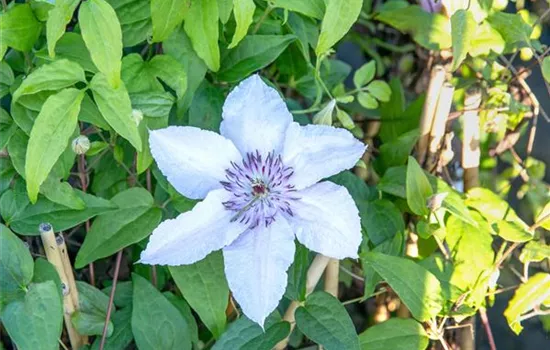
137	115
81	144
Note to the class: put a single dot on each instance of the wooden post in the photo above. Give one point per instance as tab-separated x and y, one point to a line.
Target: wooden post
439	123
437	79
54	256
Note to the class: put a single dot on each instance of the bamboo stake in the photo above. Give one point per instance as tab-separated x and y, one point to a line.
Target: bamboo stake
439	123
54	256
470	143
437	79
314	274
332	273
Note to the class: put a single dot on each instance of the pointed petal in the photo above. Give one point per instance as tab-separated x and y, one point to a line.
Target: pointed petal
255	117
326	220
194	234
193	160
319	151
256	265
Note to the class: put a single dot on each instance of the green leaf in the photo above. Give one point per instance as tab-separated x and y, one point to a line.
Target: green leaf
225	7
418	188
485	40
297	274
356	187
134	220
135	20
430	30
324	320
19	28
364	74
395	334
70	46
49	137
534	251
205	111
512	27
418	288
244	14
36	321
103	37
499	214
338	19
381	220
6	78
62	193
44	271
154	104
396	152
58	18
311	8
7	128
61	217
116	107
89	113
92	300
367	100
166	332
184	309
179	46
170	71
204	287
53	76
392	113
530	294
254	52
123	294
13	202
122	335
16	265
201	25
463	29
325	115
380	89
545	67
245	334
166	16
344	118
90	324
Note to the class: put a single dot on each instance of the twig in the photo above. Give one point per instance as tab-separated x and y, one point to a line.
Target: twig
353	275
487	327
111	299
83	175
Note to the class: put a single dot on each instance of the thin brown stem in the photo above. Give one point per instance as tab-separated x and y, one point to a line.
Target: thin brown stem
111	299
487	327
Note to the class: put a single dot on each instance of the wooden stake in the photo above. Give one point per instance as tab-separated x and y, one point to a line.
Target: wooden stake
439	123
426	120
54	256
332	274
470	143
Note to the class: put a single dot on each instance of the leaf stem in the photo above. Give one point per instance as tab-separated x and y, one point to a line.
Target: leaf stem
111	298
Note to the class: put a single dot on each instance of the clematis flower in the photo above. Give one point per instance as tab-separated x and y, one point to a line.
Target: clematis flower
260	184
433	6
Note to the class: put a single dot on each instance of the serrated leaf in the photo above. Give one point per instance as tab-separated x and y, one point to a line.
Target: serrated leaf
16	265
49	137
58	18
418	288
204	286
463	29
364	74
395	334
116	108
324	320
103	37
243	11
36	321
530	294
166	16
253	52
61	217
54	76
19	27
380	89
245	334
134	220
337	21
201	25
381	220
166	331
418	188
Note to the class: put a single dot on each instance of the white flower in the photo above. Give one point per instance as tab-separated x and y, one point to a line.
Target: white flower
259	184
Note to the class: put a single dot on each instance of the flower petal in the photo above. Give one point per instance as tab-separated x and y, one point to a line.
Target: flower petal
193	160
255	117
319	151
256	265
194	234
326	220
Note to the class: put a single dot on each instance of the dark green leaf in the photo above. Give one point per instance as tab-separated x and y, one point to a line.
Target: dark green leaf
19	27
312	8
418	188
16	265
135	20
463	29
90	324
381	220
205	111
122	335
395	334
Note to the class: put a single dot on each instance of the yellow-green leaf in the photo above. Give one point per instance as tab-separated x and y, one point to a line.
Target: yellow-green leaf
244	14
166	16
338	19
463	29
58	18
49	137
115	106
103	37
417	187
201	25
19	28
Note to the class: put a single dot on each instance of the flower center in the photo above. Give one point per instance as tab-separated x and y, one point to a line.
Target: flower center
260	189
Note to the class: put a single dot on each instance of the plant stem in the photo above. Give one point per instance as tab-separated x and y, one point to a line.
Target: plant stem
111	298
